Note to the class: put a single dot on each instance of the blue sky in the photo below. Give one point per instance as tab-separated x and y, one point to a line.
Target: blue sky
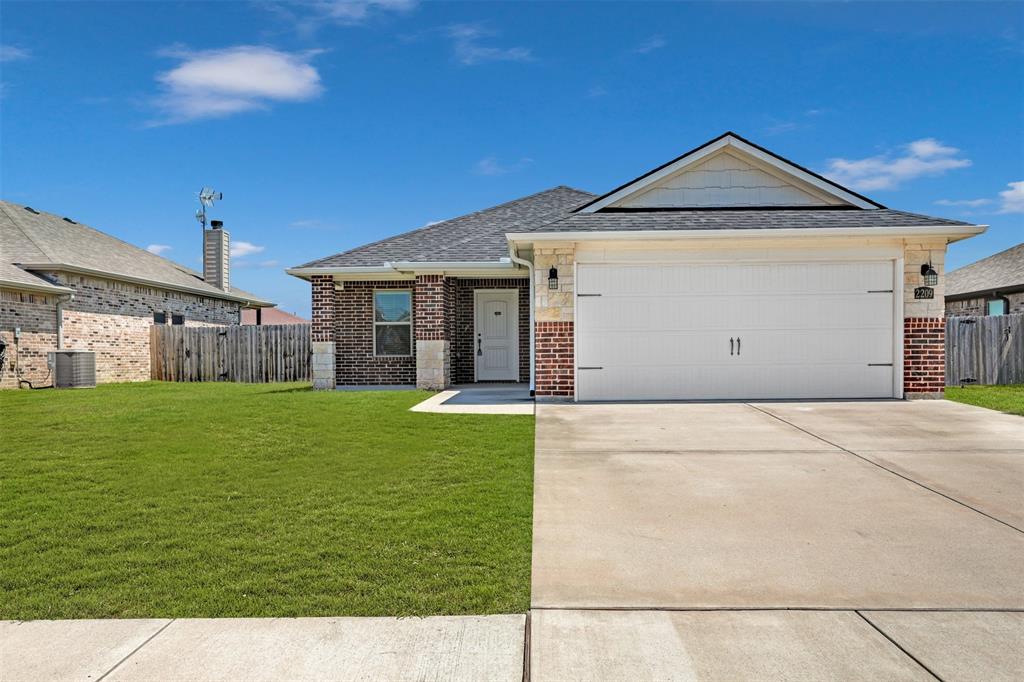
331	124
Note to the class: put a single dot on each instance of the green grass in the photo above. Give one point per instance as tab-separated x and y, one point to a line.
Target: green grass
212	500
1003	398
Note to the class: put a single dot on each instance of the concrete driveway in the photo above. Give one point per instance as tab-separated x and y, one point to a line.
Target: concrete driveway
856	540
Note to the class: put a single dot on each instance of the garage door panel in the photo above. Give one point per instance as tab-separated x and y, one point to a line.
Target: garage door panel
808	330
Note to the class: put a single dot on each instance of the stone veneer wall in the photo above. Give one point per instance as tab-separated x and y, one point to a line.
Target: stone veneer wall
433	323
924	323
462	342
108	317
553	316
978	306
355	361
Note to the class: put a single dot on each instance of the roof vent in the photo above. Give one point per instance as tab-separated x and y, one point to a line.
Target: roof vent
69	220
31	210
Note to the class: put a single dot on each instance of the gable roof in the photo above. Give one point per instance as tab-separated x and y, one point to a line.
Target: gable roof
36	240
801	177
476	237
1002	271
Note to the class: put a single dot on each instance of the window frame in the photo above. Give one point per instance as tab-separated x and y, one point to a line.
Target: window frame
177	319
1002	299
160	317
375	323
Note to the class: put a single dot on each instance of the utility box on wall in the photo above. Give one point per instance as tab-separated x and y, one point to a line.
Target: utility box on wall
73	368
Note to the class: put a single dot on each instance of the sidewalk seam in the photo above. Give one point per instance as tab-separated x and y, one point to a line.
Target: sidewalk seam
135	650
897	645
894	473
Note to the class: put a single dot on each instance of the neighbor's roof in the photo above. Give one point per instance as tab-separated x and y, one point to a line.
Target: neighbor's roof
272	316
476	237
1004	270
737	219
36	240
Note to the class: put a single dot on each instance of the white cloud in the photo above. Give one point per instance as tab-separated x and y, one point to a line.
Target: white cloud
158	249
217	83
310	15
970	203
925	157
468	50
10	53
1012	199
781	127
597	91
650	45
268	263
491	166
242	249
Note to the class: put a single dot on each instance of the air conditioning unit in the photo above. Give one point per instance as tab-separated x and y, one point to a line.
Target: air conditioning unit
73	368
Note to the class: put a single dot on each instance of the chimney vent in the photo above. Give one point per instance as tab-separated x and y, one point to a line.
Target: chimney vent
216	256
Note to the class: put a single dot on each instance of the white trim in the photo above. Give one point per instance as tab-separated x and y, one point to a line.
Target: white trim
954	232
898	288
743	147
41	288
375	323
408	269
575	330
533	327
515	331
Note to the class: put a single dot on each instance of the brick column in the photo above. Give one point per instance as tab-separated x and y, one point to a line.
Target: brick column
433	321
554	352
924	323
322	332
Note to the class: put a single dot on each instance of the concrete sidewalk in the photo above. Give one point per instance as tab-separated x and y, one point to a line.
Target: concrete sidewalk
252	649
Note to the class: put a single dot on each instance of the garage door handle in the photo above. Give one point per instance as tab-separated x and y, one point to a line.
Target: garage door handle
730	345
737	345
590	368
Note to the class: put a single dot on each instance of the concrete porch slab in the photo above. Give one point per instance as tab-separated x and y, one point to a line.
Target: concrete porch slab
967	646
712	645
480	399
69	649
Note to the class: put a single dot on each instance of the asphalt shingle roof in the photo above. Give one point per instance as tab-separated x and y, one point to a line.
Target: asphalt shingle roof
16	278
736	220
1003	270
477	237
38	238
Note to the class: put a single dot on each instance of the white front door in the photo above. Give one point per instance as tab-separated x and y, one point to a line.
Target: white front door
496	334
735	331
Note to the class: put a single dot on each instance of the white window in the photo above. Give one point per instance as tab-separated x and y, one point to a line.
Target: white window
998	306
392	323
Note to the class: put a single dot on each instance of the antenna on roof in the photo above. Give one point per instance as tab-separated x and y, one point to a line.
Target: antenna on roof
206	198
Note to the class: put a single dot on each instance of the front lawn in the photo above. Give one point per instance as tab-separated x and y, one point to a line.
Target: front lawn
1003	398
212	500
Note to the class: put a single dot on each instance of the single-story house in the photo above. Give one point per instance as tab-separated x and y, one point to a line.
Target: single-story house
67	285
259	316
728	272
990	286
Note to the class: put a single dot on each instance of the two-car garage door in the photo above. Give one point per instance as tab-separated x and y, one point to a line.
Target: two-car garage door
702	331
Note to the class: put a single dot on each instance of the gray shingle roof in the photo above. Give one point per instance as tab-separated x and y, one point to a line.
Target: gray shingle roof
477	237
737	220
41	238
15	278
1004	270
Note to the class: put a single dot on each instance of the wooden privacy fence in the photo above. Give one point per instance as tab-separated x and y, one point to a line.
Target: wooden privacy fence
253	354
985	350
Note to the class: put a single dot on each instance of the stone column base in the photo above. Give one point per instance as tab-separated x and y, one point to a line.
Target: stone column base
323	365
433	365
935	395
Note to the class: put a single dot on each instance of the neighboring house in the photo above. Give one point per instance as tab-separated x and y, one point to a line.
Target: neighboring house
726	273
254	316
990	286
65	285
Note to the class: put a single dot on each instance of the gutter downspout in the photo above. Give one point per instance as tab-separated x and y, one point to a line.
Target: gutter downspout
529	266
61	300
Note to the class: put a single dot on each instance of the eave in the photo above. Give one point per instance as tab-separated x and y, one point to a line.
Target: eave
951	232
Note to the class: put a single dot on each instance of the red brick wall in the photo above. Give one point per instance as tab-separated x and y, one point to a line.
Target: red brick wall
924	355
355	362
431	307
463	349
554	341
322	325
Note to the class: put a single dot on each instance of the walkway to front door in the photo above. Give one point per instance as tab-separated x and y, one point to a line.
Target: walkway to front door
496	334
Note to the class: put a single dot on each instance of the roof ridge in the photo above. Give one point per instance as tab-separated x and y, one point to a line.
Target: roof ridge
14	220
441	223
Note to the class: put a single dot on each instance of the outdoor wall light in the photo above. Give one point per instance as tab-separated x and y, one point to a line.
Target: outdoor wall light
931	278
553	278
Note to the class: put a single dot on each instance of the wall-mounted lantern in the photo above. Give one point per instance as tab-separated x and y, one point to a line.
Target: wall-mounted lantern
931	278
553	278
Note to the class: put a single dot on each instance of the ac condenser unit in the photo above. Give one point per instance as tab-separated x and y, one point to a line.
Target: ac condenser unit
73	368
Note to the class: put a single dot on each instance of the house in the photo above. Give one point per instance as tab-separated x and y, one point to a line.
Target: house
990	286
254	316
729	272
66	285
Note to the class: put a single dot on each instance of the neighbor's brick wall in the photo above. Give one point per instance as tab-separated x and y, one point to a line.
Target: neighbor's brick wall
108	317
36	315
924	323
355	362
555	360
463	341
978	306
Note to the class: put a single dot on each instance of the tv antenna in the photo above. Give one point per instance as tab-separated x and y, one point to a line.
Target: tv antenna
206	198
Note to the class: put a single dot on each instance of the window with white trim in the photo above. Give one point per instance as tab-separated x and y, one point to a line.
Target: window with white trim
997	306
392	322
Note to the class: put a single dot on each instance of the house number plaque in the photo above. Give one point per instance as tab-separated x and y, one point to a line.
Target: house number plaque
924	292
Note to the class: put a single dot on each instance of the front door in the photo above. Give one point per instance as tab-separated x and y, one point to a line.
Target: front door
496	334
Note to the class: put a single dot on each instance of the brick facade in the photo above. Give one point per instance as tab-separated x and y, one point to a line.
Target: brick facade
322	324
463	344
555	360
924	356
109	317
979	305
355	361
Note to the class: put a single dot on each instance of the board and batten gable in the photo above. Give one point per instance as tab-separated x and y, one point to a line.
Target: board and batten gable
726	179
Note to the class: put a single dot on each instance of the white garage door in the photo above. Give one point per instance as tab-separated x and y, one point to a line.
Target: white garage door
734	331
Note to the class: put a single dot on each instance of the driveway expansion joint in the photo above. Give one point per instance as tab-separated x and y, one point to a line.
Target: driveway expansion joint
136	650
897	645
